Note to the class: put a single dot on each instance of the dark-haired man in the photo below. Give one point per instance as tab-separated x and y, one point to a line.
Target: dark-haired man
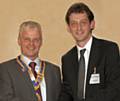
91	70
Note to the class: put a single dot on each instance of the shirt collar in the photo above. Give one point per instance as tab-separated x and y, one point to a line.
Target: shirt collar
27	60
87	46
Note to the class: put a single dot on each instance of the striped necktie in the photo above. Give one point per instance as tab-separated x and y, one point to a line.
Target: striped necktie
36	84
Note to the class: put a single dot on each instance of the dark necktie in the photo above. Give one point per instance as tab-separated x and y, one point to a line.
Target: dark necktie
81	75
32	65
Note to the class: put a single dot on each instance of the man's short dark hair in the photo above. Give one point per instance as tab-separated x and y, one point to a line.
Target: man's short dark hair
79	8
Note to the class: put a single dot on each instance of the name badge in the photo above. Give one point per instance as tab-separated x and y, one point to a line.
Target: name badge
95	79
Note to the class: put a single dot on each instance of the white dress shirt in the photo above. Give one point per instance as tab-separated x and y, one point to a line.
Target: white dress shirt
43	84
86	56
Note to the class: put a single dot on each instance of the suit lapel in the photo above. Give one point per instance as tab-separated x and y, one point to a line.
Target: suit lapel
73	68
49	82
74	61
93	59
25	75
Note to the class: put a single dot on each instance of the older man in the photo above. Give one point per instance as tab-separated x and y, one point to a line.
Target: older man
27	77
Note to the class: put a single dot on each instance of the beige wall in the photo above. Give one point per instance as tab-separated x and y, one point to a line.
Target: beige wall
50	14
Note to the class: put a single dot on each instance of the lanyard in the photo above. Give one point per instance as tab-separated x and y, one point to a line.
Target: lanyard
24	68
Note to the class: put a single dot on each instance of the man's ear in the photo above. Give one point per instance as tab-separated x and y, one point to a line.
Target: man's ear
92	25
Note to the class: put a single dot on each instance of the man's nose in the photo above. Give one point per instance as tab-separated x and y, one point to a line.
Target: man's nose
79	26
31	42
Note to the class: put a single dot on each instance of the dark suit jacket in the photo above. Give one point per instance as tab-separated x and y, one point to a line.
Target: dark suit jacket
16	85
105	57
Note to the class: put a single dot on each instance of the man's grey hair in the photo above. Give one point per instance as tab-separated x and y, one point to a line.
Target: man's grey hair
30	25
